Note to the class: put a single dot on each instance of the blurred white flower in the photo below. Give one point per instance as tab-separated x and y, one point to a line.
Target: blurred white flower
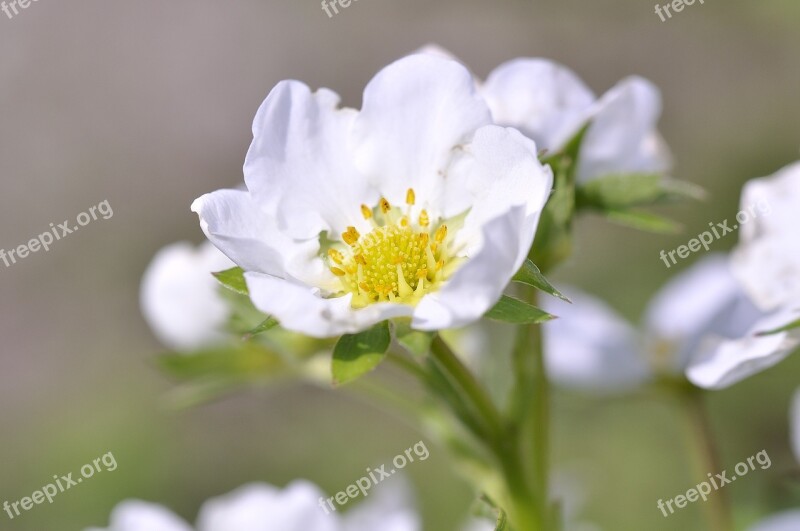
261	507
180	298
787	520
416	206
767	260
701	322
550	104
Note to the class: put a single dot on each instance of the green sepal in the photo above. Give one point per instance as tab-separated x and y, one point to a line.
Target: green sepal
233	279
511	310
530	275
357	354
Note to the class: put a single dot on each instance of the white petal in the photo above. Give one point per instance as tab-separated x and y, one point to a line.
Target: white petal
260	507
508	189
246	233
142	516
415	112
180	298
497	171
767	260
300	164
623	137
591	347
722	363
545	100
794	423
478	284
388	508
703	300
785	521
438	51
300	308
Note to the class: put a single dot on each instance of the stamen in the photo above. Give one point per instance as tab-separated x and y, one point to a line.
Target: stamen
336	256
338	272
441	233
360	259
385	206
366	212
424	220
351	236
411	197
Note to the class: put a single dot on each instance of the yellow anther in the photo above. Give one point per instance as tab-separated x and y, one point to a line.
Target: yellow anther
366	212
364	286
336	256
439	265
411	197
338	272
404	221
424	220
398	260
385	206
422	273
441	233
360	259
424	238
351	236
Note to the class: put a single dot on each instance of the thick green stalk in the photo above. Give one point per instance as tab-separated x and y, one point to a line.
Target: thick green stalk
706	456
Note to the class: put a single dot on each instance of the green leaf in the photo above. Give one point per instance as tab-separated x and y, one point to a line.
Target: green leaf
233	279
645	221
268	324
415	341
530	275
785	328
243	361
511	310
620	191
357	354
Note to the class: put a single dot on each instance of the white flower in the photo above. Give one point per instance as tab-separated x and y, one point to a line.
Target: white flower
180	299
416	206
550	104
261	507
701	322
767	260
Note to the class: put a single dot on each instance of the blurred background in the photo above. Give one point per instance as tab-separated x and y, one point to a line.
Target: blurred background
148	104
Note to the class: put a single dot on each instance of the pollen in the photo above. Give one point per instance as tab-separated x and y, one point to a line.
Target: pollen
399	260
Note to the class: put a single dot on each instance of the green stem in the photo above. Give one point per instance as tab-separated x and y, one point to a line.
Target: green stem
706	456
523	512
472	388
530	408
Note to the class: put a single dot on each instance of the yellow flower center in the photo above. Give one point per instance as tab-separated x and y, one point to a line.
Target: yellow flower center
401	259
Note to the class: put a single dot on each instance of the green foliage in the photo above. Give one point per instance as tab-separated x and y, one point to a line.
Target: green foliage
785	328
530	275
638	219
515	311
357	354
233	279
